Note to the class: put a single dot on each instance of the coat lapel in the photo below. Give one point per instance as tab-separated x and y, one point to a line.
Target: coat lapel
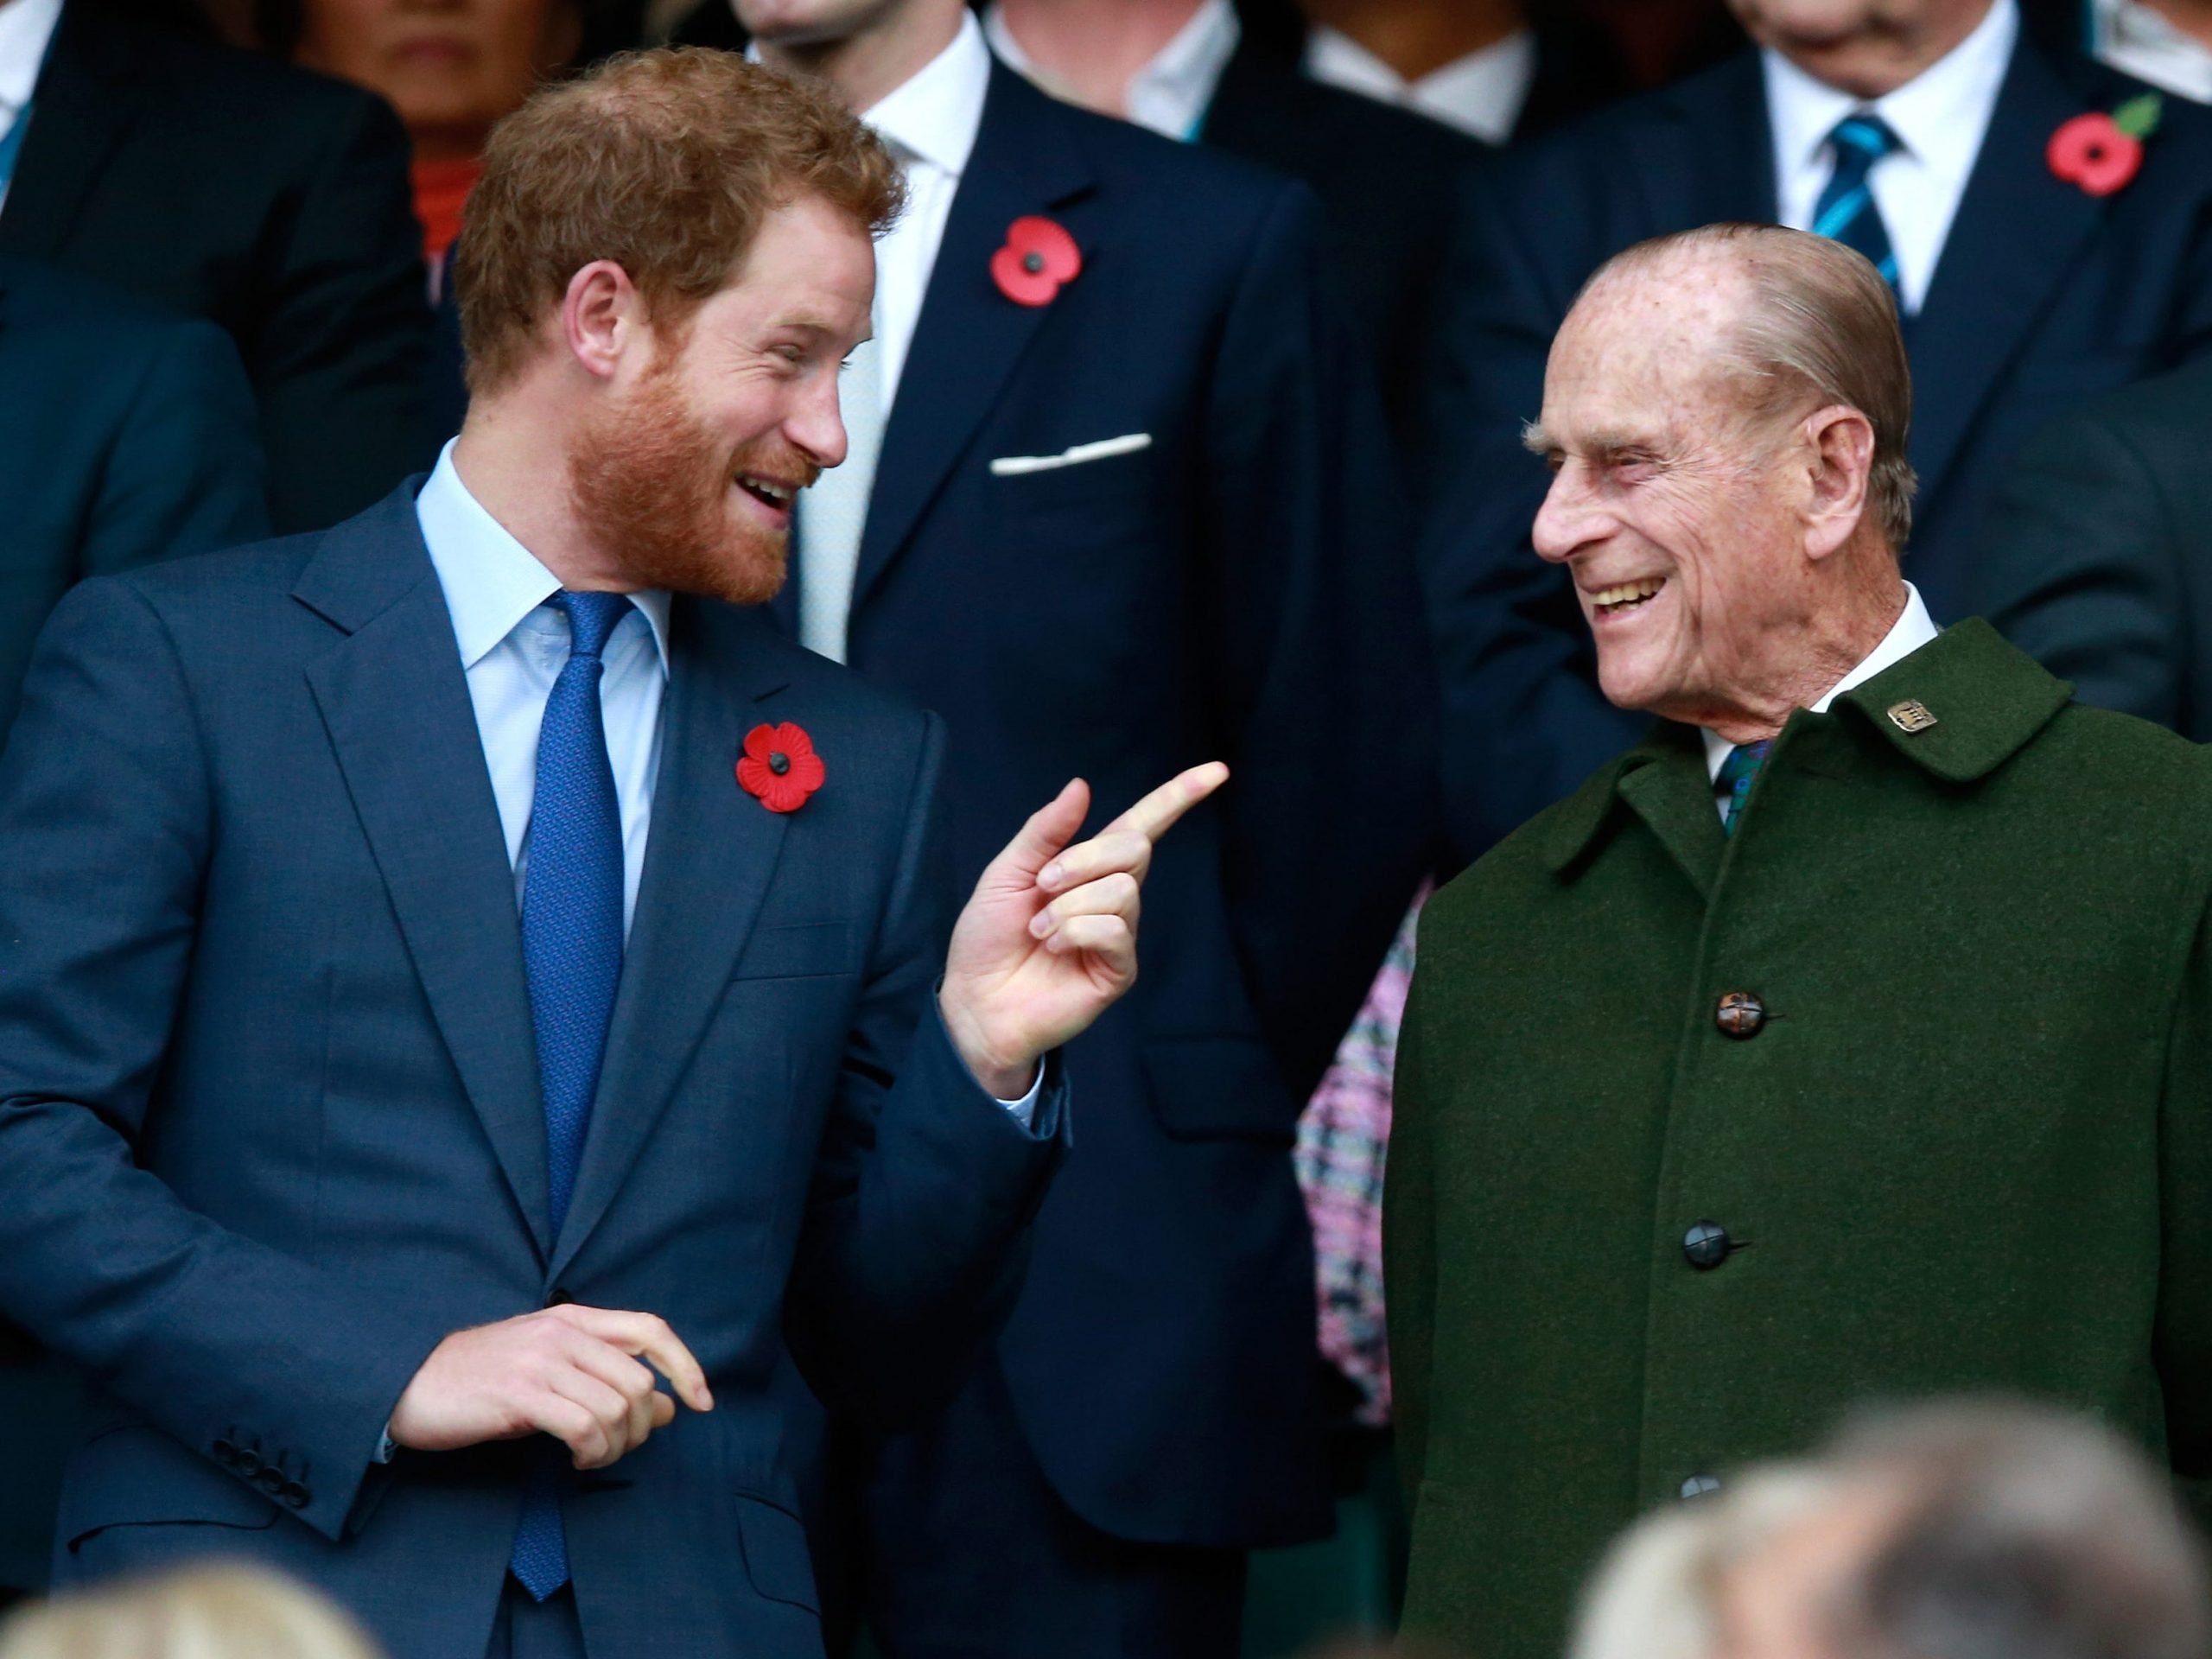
2018	232
1671	792
709	862
396	705
1720	163
80	114
970	336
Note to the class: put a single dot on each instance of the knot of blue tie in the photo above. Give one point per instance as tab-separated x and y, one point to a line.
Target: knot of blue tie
592	619
1847	212
1738	772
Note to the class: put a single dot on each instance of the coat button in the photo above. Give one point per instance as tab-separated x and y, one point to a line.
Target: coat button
558	1298
271	1481
1699	1486
295	1495
247	1462
225	1453
1705	1244
1740	1015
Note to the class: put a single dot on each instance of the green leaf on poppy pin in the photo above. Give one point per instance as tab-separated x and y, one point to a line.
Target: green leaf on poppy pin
2139	116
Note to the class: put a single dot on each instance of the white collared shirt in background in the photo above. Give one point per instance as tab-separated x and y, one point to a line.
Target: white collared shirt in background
1913	629
2138	41
1940	118
1171	94
1482	93
26	29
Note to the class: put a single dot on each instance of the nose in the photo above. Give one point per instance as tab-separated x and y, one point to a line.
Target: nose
816	426
1571	518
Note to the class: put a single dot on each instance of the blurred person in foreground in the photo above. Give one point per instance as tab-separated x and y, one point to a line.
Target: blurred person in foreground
457	965
1869	1049
1959	1531
2098	557
208	181
2031	273
198	1613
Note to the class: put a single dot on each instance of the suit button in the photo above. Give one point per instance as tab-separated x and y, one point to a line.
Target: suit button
271	1481
225	1453
1740	1015
295	1494
1705	1245
559	1298
247	1462
1699	1486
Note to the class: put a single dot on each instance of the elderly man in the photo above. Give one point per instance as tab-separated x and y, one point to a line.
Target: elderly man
1850	1035
1955	1531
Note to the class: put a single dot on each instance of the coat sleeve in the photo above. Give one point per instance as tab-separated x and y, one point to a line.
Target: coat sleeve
341	358
2184	1313
1523	720
185	473
107	815
1321	686
916	1237
2081	565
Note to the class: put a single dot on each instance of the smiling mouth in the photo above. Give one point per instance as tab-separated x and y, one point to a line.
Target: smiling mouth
768	491
1627	596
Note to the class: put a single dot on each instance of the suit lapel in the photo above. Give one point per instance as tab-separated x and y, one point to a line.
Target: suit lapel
80	114
970	336
1673	796
2018	232
1720	165
396	705
709	862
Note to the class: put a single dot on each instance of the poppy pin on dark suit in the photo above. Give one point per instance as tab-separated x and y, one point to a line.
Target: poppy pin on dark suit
1039	259
780	767
2103	153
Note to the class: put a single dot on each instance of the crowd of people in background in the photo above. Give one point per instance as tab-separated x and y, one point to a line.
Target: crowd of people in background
1246	474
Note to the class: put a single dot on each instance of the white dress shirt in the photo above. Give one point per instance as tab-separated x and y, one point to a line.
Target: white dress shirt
1940	118
1913	629
513	647
26	29
1482	93
1171	93
2138	40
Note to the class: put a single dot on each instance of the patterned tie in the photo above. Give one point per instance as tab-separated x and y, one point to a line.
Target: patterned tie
1734	782
1847	210
572	951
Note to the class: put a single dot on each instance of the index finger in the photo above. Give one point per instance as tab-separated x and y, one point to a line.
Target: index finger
649	1337
1155	815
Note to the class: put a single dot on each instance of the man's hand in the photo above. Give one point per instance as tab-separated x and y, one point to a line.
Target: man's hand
1048	941
570	1372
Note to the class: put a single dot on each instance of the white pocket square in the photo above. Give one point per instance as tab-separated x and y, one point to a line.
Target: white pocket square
1105	449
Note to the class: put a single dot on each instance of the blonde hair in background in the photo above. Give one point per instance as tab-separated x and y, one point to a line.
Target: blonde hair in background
205	1612
1822	321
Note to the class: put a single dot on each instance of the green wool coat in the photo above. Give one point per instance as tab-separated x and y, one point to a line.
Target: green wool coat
1970	1148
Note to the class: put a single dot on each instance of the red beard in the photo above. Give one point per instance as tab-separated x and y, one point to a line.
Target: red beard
650	484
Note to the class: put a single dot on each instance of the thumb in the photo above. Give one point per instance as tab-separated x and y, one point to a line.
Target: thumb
1046	835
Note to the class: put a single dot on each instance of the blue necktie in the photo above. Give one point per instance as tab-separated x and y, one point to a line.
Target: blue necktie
1738	773
1846	211
572	951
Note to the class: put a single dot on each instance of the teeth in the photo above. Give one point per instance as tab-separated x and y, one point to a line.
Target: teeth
774	491
1629	592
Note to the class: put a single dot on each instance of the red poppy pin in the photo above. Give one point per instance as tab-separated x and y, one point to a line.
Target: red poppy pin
2102	153
1039	259
779	766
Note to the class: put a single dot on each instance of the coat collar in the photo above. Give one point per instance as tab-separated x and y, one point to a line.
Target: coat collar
1989	700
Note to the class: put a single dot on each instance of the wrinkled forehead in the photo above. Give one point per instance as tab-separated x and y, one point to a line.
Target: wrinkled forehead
1650	340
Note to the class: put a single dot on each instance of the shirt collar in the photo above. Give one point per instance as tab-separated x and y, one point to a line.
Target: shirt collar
934	115
1482	93
492	581
26	28
1939	115
1913	629
1171	93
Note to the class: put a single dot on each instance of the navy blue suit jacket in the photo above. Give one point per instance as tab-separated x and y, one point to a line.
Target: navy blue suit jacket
2044	296
270	1121
1243	589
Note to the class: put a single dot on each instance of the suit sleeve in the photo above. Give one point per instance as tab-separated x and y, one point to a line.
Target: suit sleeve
107	812
915	1240
2184	1343
341	360
1523	720
2082	566
185	473
1322	688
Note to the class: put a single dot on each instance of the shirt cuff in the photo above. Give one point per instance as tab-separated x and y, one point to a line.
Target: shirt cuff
1025	1109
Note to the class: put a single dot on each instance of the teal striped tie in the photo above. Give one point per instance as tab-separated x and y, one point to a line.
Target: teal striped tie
1845	212
1733	786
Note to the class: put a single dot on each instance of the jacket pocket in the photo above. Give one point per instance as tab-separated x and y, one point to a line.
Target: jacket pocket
1205	1088
801	951
136	1476
777	1558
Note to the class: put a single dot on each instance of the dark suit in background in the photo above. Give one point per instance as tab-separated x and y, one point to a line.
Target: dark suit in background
1240	589
2043	296
272	202
125	436
2097	556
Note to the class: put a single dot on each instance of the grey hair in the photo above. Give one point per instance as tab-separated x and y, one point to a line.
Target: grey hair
1822	321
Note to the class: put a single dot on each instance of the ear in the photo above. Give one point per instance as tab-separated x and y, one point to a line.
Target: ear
603	318
1840	458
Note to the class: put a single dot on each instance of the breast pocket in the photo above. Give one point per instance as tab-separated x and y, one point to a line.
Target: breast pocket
1058	490
799	951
